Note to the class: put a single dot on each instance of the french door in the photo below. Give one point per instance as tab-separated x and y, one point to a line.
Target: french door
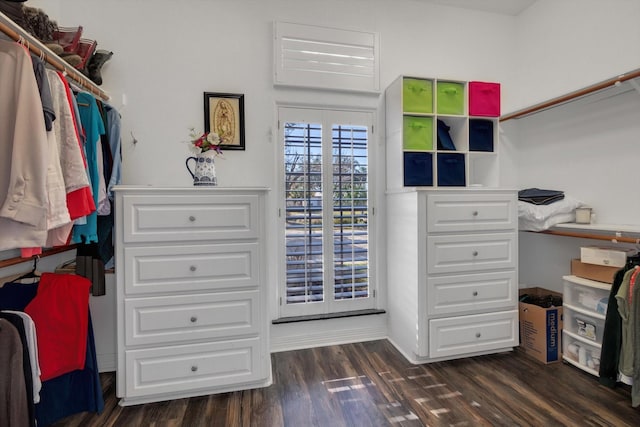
325	213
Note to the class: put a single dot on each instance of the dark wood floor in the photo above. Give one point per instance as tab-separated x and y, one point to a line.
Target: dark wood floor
371	384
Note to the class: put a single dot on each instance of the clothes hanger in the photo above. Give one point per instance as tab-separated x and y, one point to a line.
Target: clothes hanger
632	261
33	274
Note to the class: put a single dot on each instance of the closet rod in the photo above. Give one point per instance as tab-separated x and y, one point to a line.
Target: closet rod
571	96
45	253
16	33
608	237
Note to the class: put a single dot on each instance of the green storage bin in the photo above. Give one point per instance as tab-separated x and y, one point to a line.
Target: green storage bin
417	96
450	98
417	133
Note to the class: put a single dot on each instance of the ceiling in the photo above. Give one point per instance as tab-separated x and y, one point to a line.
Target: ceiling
505	7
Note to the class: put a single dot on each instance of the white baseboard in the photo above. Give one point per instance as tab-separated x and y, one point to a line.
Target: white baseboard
318	333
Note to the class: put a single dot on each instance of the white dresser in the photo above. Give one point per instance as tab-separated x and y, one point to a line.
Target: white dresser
452	272
191	305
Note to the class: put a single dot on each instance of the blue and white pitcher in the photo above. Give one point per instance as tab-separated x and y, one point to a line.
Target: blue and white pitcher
204	172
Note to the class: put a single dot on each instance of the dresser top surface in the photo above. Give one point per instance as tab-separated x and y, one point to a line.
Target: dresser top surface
215	189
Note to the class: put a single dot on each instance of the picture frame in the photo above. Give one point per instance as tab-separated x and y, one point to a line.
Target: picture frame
224	115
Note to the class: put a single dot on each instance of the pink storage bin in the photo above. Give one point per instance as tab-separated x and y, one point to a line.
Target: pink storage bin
484	99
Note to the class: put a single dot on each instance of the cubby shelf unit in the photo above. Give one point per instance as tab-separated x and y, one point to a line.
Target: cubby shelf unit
433	140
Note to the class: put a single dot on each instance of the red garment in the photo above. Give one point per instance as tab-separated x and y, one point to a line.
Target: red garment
29	252
632	283
60	311
80	203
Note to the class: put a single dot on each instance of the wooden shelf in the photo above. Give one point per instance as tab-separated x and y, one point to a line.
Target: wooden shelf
614	82
45	253
18	34
614	233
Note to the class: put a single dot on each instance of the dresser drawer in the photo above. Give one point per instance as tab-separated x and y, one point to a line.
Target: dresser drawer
190	268
162	320
189	217
454	336
192	367
471	212
470	253
471	292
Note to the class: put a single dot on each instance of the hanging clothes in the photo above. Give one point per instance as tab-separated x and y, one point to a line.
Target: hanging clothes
104	206
113	121
15	296
74	173
620	352
27	370
23	152
14	410
31	107
58	220
93	128
635	313
625	363
73	392
59	311
32	347
612	335
80	200
113	176
48	111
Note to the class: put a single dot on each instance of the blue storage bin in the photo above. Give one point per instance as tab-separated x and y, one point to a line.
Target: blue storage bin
451	170
480	135
418	169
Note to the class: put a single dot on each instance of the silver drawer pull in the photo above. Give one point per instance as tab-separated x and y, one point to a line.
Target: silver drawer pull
475	213
477	334
475	293
194	368
475	253
192	218
193	319
192	268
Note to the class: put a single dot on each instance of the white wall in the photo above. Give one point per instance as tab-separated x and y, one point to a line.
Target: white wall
589	149
564	45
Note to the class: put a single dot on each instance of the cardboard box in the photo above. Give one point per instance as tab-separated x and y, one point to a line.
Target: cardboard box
541	328
608	256
601	273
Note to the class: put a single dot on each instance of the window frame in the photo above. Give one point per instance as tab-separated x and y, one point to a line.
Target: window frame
327	117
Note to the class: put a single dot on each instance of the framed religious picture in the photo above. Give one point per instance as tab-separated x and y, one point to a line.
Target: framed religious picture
224	115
